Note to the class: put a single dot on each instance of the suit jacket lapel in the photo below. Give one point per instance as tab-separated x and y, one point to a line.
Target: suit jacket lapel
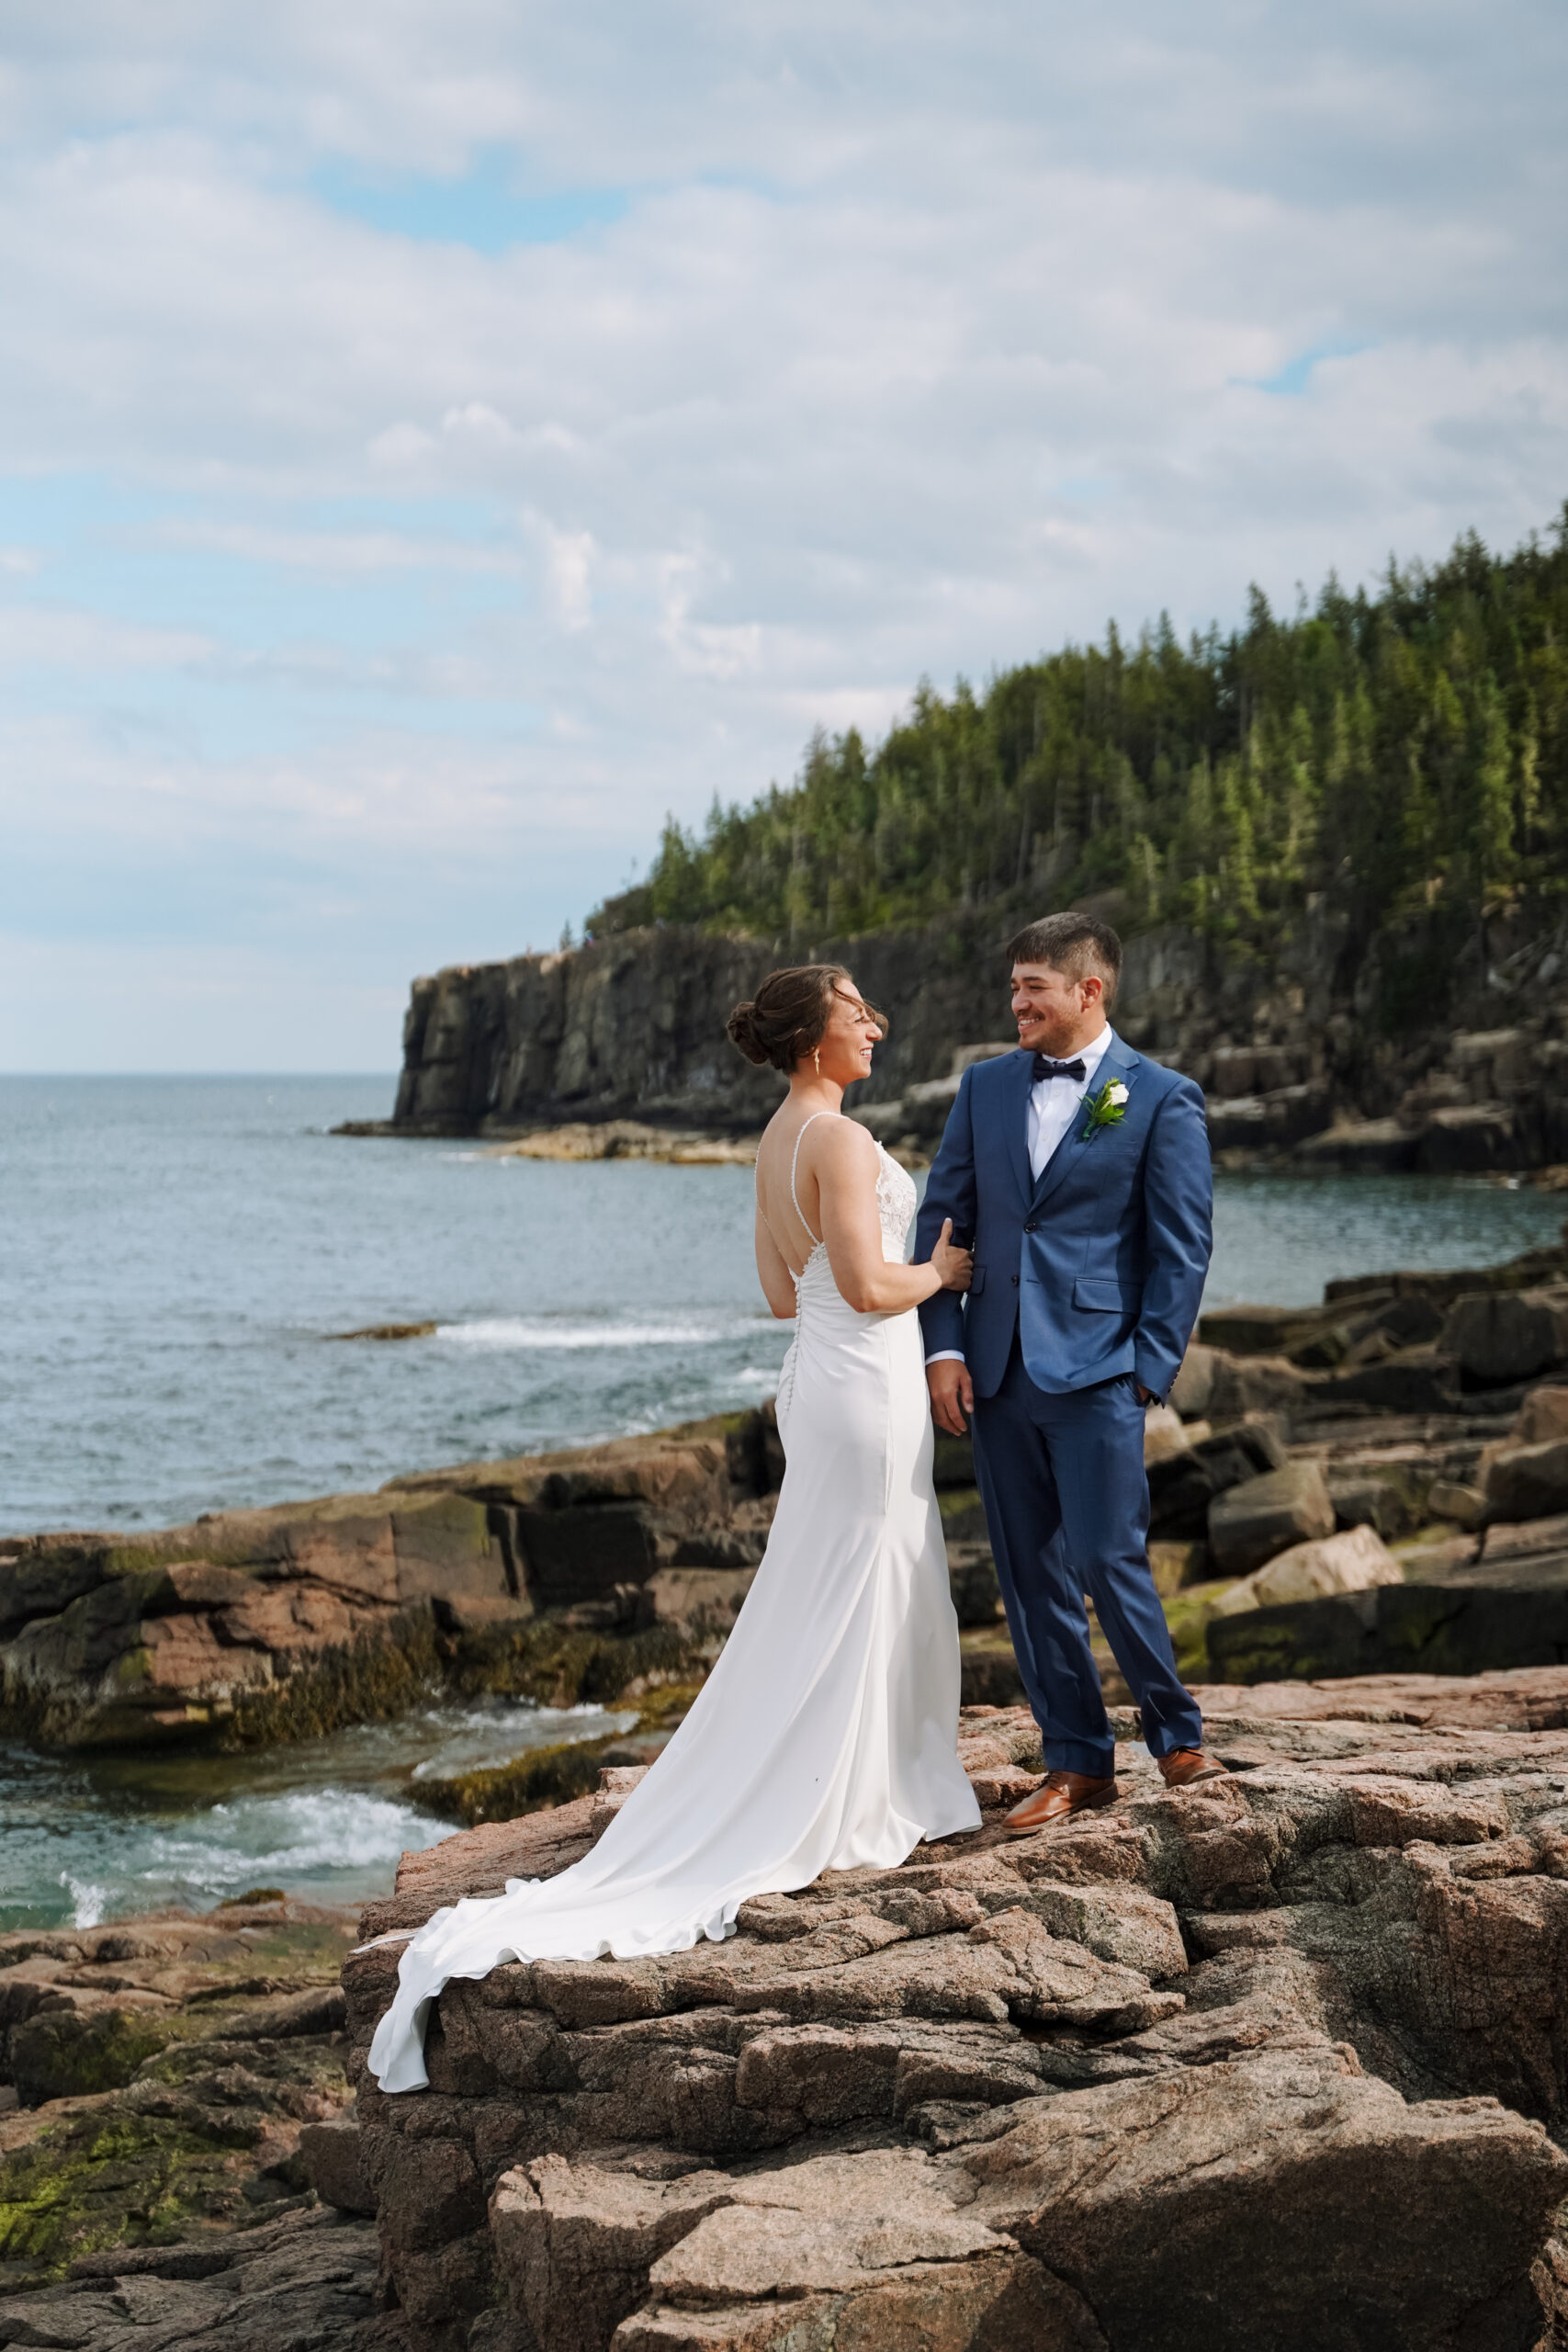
1117	1058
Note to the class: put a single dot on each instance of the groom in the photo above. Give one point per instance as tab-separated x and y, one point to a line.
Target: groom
1082	1171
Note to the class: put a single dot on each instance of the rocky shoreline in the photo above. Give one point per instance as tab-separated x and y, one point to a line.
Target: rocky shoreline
1284	2061
1300	1064
1378	1482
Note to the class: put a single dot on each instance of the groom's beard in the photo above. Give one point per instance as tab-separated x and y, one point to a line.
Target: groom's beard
1046	1036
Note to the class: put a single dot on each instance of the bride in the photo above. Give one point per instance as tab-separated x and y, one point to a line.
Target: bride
824	1738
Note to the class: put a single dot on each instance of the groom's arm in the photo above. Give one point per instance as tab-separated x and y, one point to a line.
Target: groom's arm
1178	1213
950	1191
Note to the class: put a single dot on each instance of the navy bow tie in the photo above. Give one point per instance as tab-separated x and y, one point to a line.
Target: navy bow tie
1045	1067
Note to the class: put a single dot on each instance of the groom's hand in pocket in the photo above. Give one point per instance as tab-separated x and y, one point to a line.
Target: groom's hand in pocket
953	1394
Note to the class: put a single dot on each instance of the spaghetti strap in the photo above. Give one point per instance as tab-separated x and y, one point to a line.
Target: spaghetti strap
795	1158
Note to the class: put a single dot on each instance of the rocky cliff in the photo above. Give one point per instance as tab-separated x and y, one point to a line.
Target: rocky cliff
1299	1057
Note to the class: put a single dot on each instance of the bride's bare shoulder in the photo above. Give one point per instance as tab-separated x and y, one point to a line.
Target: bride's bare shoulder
842	1143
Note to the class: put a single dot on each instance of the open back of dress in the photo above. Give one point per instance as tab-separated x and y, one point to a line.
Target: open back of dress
825	1736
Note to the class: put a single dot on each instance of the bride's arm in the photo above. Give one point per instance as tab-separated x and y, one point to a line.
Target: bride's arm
778	1282
845	1167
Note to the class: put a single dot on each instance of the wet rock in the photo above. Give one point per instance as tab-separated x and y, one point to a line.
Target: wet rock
1248	1524
558	1577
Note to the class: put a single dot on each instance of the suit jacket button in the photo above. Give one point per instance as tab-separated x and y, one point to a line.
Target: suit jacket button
1029	1228
1015	1282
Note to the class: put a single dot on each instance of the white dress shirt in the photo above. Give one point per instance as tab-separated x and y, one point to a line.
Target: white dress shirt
1052	1107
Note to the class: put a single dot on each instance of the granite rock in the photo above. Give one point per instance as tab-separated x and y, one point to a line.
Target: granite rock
1275	2061
1285	1507
1353	1562
305	2283
167	2069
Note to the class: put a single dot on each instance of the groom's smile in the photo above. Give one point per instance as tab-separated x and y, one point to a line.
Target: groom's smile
1055	1014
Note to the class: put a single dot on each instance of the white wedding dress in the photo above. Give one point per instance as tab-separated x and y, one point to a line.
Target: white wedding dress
823	1739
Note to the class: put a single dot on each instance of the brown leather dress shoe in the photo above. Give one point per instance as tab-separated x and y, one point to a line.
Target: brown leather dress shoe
1183	1766
1063	1795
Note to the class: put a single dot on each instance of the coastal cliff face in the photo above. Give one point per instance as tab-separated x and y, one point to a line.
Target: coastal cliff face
1303	1058
636	1023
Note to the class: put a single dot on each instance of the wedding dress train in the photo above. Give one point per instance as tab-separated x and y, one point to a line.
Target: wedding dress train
824	1738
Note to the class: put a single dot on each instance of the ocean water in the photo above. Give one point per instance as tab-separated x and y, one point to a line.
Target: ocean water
93	1837
176	1255
176	1258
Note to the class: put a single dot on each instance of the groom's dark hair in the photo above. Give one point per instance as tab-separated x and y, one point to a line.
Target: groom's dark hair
1073	944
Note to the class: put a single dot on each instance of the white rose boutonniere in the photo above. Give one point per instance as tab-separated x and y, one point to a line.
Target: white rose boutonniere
1107	1108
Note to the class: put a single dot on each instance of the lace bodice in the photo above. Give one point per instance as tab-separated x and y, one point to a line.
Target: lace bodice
895	1205
895	1214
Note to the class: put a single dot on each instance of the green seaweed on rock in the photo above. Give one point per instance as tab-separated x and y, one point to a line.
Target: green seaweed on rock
547	1776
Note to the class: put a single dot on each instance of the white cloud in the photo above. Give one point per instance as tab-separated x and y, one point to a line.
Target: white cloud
569	568
924	340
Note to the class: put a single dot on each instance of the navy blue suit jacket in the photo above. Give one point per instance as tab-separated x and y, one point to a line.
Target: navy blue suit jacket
1102	1262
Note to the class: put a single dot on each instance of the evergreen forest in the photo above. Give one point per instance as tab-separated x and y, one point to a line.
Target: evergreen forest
1405	750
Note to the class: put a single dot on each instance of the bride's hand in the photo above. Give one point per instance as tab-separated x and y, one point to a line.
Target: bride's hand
955	1266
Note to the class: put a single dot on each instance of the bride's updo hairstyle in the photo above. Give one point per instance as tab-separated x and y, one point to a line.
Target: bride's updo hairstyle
788	1015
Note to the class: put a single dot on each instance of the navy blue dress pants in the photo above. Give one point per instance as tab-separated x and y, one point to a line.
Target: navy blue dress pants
1068	1506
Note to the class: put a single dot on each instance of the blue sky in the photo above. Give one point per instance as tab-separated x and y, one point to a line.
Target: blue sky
438	440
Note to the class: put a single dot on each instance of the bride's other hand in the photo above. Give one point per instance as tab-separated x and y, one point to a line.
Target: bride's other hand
955	1266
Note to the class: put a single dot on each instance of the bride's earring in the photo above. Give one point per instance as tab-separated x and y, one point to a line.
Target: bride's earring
817	1057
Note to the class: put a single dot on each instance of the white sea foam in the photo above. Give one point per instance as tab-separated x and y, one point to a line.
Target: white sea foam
517	1332
285	1840
87	1900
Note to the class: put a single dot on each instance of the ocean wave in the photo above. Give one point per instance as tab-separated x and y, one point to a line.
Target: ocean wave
282	1841
525	1332
88	1900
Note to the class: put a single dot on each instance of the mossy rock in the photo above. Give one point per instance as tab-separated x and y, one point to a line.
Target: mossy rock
168	2158
546	1776
368	1681
108	2177
1187	1613
562	1664
66	2054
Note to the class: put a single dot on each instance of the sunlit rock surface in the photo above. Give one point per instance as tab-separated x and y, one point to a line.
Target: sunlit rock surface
1282	2060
